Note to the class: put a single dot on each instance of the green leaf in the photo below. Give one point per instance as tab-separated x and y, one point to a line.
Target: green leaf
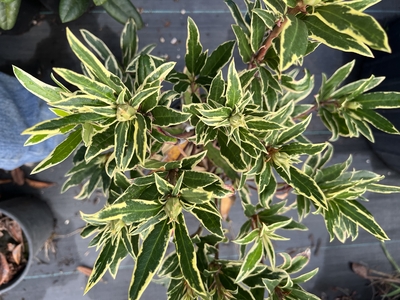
122	11
55	125
300	148
217	89
234	91
97	45
305	277
248	238
293	132
164	116
361	216
210	221
361	5
243	44
382	189
40	89
143	95
149	258
121	136
293	42
119	256
187	257
260	125
250	261
93	64
86	84
218	59
160	73
195	196
278	7
257	32
129	42
70	10
237	15
215	156
267	17
102	263
376	120
333	172
324	34
100	142
299	293
9	13
231	152
304	185
140	137
195	179
362	27
379	100
193	45
351	88
130	211
335	80
61	152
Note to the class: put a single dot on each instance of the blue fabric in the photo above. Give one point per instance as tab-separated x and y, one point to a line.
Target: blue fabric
19	110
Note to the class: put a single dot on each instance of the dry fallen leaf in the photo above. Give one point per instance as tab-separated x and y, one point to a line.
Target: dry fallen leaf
17	254
85	270
359	269
15	231
4	181
18	176
225	207
39	184
10	247
4	269
172	153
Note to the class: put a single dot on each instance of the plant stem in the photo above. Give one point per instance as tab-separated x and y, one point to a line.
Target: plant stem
274	34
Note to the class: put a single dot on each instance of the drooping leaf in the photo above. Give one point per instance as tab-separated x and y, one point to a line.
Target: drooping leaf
102	263
361	216
187	257
149	258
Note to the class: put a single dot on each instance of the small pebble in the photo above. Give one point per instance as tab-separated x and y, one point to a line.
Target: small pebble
178	56
66	222
174	41
162	40
183	12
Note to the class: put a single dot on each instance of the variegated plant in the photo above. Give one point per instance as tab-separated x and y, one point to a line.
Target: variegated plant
157	165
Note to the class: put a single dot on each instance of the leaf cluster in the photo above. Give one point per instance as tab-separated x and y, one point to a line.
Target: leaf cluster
238	134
